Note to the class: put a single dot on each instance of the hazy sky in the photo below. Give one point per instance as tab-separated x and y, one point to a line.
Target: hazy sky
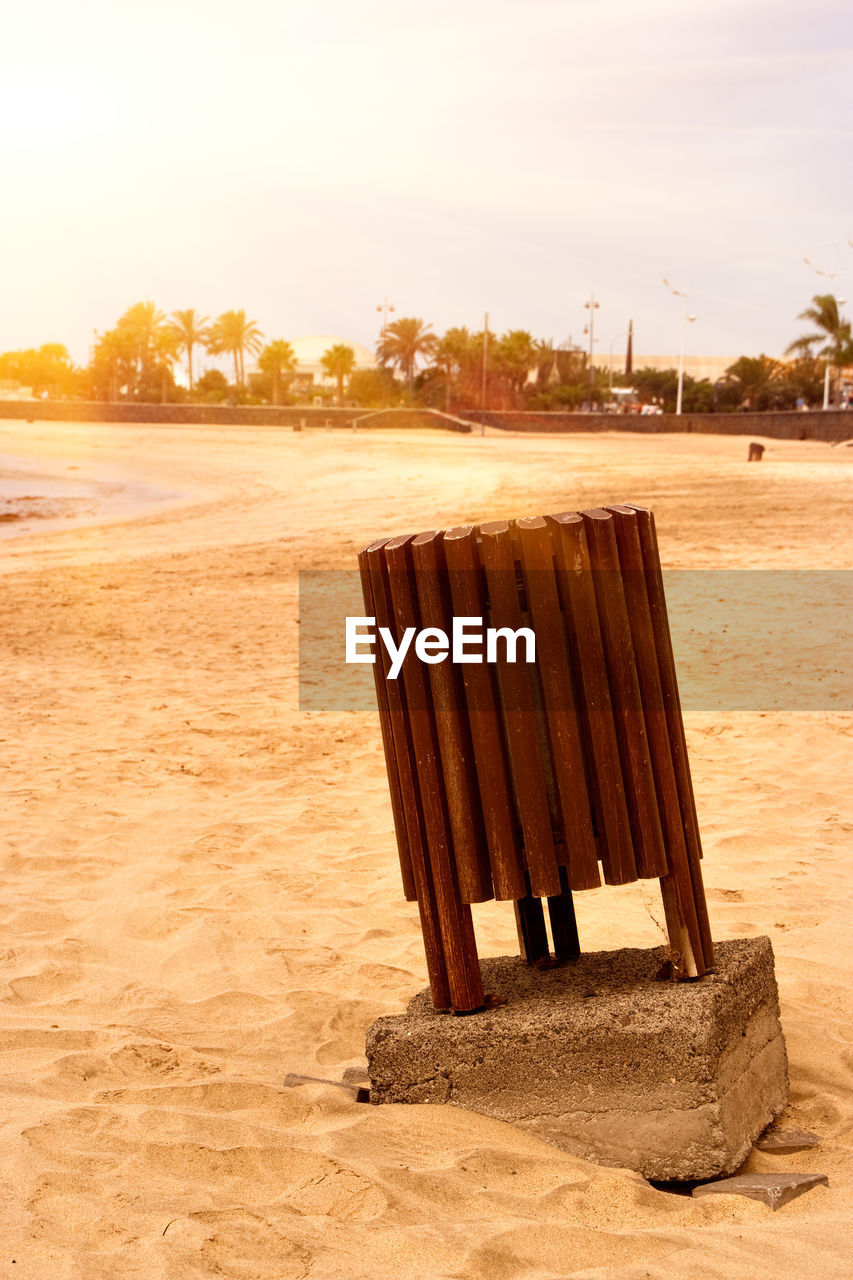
305	160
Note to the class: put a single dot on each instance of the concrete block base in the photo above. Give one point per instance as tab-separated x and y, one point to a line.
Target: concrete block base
604	1059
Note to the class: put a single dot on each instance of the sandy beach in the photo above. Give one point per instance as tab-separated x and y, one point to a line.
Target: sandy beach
200	887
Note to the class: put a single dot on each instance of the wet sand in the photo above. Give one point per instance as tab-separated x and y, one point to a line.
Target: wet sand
43	495
201	893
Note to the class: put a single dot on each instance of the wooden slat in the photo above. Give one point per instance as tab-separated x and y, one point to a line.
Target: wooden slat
514	680
669	678
530	924
407	773
388	740
675	720
466	581
454	917
561	717
470	851
686	939
625	694
575	580
564	928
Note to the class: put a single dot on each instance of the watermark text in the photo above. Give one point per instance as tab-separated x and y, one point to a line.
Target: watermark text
431	644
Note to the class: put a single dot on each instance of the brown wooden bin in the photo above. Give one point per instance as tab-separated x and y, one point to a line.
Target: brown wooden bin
526	781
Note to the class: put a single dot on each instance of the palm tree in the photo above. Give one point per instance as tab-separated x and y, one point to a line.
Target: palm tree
832	330
402	343
339	362
755	378
191	331
452	353
546	362
113	363
139	327
516	353
234	335
167	347
278	359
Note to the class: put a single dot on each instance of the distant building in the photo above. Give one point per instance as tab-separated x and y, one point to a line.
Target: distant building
309	360
10	390
698	367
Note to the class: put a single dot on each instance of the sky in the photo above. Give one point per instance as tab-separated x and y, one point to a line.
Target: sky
307	161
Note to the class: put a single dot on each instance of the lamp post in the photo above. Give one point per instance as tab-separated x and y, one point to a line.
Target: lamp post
686	319
384	307
591	305
831	276
826	379
484	389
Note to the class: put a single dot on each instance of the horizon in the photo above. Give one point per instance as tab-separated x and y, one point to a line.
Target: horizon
305	164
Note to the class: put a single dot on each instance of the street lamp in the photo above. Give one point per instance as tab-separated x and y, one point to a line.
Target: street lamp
385	307
831	276
591	306
839	302
484	393
686	319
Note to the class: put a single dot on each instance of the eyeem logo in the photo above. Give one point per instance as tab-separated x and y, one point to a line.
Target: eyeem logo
434	645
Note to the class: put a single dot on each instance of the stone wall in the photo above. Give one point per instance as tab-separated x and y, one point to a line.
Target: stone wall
221	415
830	425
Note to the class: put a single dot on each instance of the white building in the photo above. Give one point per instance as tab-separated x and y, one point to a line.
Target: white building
10	390
699	367
309	359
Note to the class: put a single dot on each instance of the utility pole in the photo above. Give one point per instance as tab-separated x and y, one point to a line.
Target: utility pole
384	307
591	306
686	319
483	397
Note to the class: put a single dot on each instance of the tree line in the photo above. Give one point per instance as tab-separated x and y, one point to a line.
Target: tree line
516	371
137	358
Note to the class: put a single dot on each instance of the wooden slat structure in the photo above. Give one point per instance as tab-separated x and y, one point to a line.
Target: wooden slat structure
527	781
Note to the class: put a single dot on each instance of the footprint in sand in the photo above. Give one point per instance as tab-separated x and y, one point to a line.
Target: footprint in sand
72	1210
233	1243
194	1152
44	1038
46	985
280	1108
514	1252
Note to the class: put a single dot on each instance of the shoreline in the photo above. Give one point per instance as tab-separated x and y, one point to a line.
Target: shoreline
34	499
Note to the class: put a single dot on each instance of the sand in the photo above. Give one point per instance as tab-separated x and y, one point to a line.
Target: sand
200	888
